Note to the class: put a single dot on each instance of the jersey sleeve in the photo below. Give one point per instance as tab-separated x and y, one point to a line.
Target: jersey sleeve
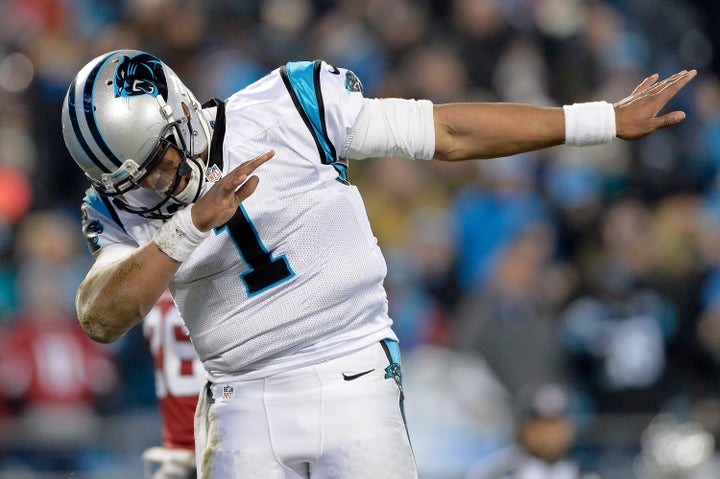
360	128
330	100
342	93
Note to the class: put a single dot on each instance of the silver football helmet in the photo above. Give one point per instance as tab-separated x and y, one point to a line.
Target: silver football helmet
122	112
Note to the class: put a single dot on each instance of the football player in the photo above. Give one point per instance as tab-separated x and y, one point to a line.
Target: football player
272	262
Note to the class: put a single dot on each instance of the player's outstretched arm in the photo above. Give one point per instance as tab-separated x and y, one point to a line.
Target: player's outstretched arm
117	295
465	131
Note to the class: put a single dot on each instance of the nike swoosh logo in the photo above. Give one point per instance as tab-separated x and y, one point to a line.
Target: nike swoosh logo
350	377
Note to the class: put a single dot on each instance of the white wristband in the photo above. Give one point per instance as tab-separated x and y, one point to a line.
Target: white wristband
179	237
590	123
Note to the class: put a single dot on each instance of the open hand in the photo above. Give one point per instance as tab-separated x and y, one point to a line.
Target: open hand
636	115
221	201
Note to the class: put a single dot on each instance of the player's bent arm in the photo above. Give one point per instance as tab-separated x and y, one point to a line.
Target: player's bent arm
122	286
116	295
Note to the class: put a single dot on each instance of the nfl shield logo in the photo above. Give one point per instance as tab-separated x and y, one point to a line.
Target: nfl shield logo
213	174
228	392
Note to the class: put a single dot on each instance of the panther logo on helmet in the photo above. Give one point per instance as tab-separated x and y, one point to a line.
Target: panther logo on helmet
141	74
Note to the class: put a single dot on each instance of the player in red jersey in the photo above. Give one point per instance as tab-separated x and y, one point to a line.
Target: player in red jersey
179	376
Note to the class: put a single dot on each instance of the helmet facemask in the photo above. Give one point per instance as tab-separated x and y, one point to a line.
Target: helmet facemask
169	200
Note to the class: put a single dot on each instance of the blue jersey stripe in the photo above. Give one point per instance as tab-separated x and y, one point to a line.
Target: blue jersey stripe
301	78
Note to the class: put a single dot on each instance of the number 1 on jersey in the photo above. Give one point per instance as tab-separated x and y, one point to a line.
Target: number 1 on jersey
265	271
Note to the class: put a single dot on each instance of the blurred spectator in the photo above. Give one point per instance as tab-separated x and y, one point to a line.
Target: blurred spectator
15	203
481	28
53	378
399	25
435	71
421	291
619	330
491	214
679	272
344	39
521	74
544	444
512	320
15	196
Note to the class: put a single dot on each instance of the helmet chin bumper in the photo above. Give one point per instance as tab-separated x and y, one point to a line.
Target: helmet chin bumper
191	192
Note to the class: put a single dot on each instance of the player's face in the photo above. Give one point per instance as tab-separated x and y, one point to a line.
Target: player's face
164	175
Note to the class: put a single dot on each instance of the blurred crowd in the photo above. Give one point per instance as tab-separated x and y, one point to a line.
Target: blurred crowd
594	270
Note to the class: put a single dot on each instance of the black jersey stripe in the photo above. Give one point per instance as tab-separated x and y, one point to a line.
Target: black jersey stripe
215	156
321	106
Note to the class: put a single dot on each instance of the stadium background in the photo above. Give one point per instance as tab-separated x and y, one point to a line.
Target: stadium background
593	269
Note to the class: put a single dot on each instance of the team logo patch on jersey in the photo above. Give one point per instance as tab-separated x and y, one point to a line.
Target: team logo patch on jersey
92	231
352	82
228	392
213	174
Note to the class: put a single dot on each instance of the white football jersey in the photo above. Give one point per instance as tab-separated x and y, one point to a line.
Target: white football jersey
296	276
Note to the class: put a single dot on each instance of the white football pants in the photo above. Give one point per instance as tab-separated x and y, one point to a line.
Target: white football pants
338	419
